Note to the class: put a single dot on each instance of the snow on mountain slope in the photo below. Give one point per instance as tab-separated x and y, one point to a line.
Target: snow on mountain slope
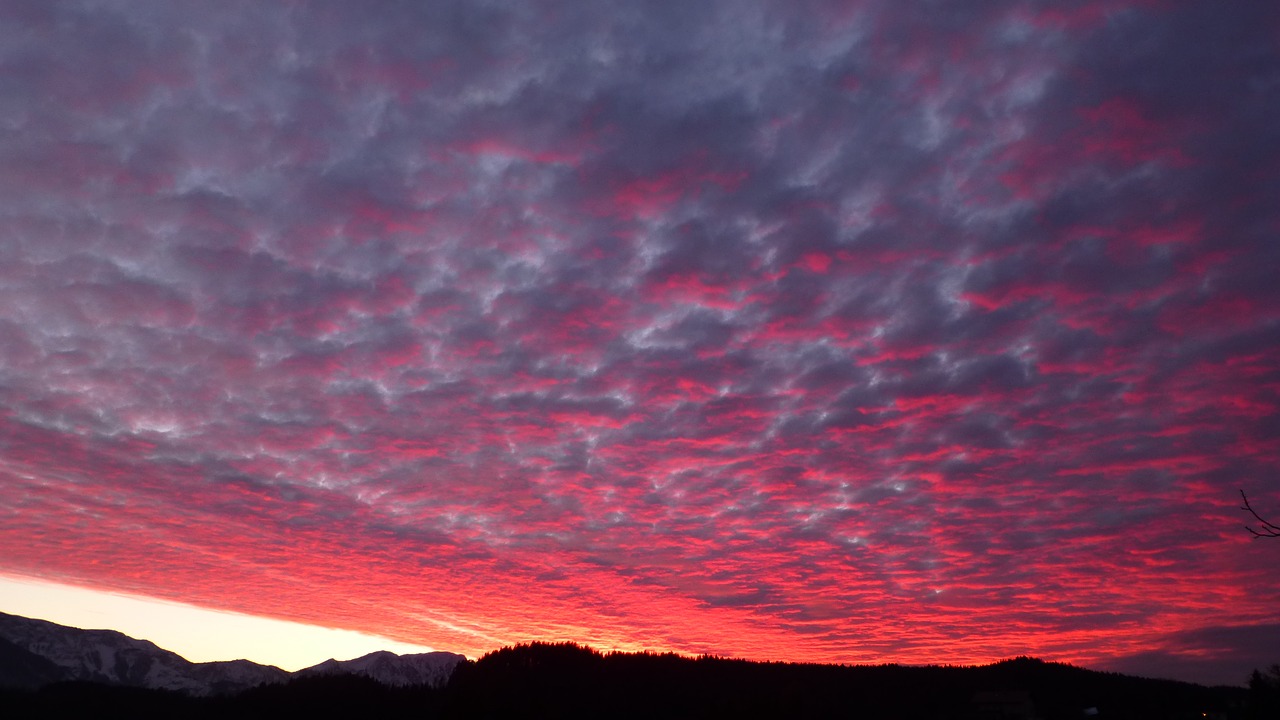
432	668
38	652
111	657
229	676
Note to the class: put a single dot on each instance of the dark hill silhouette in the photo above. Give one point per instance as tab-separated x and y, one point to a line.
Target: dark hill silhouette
569	680
565	680
21	668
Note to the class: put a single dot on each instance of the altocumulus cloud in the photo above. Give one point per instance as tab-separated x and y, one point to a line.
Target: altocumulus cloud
824	331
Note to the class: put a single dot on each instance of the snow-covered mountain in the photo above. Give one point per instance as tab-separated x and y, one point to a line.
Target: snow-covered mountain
388	668
111	657
34	653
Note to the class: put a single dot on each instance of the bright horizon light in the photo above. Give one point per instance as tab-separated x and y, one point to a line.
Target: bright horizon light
197	634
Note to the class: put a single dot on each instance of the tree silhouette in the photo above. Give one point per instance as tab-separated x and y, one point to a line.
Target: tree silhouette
1267	530
1264	693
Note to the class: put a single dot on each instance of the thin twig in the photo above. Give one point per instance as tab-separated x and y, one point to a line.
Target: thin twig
1269	530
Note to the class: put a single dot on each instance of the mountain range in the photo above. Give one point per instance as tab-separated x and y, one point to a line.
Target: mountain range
49	670
35	653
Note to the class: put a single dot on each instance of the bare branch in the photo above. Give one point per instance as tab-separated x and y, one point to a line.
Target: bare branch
1268	530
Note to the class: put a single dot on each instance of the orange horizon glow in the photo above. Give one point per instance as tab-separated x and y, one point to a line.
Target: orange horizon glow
197	634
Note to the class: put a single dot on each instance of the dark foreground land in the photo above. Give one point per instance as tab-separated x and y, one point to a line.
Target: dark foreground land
565	680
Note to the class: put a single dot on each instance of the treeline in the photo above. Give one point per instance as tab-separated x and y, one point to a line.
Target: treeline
567	680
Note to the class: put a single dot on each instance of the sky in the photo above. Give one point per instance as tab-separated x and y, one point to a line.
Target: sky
850	332
202	634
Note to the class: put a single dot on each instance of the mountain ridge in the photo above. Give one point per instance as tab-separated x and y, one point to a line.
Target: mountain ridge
433	668
568	680
35	653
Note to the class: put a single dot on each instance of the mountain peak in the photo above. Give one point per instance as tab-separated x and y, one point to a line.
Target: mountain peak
34	653
433	668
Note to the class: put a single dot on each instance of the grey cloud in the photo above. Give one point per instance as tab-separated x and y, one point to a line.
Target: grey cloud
1223	655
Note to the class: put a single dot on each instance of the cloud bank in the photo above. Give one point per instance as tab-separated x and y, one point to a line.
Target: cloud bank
847	332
